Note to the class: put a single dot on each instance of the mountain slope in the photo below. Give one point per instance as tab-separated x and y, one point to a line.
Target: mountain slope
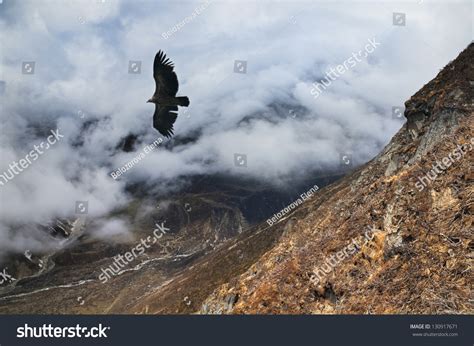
418	254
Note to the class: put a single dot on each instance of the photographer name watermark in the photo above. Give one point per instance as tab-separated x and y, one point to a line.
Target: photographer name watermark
303	198
145	151
178	26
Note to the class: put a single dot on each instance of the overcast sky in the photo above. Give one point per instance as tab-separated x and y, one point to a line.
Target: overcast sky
81	52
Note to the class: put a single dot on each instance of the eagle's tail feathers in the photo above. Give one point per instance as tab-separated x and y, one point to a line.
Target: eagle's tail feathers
182	101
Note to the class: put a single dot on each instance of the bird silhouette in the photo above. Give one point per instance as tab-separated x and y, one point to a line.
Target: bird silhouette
165	99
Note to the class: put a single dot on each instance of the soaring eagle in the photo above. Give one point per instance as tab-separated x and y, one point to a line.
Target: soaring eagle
164	98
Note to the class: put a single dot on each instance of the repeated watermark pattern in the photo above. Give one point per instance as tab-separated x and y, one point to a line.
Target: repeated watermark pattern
28	67
334	260
240	66
187	207
81	113
441	166
82	207
80	300
122	260
397	112
399	19
303	198
5	277
335	73
345	160
292	113
240	160
14	167
134	66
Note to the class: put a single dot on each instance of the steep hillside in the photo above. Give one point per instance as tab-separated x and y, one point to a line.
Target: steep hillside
389	238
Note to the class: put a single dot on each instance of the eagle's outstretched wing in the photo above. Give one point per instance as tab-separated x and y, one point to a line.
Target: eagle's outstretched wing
165	78
164	118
